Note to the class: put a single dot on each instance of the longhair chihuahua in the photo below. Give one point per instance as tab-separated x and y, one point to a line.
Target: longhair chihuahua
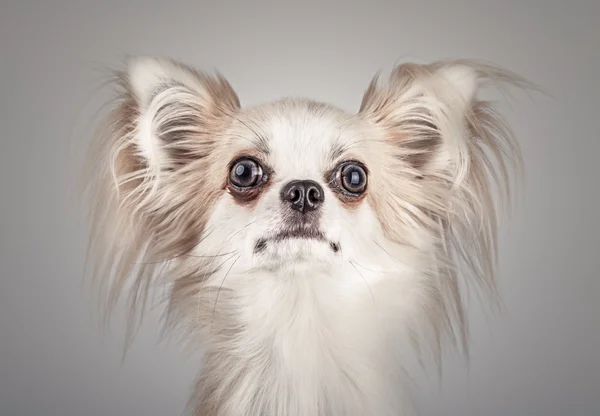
305	249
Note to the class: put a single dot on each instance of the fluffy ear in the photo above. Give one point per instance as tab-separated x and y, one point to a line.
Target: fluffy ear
444	154
177	107
154	169
432	114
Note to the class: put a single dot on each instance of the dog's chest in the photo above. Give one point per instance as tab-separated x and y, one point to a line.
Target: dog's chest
310	353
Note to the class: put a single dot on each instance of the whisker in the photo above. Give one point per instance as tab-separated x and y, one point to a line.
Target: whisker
215	257
208	255
366	283
262	140
231	238
373	270
221	286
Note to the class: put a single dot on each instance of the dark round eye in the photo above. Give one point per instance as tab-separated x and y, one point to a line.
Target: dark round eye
245	173
352	178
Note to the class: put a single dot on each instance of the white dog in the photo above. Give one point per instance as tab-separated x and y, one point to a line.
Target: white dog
304	247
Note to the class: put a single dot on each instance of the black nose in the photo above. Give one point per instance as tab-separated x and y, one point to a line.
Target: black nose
303	196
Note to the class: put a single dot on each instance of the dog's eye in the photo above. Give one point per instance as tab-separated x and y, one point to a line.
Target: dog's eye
245	173
352	177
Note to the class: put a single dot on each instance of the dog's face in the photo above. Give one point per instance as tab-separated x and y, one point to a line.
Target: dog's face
295	184
229	197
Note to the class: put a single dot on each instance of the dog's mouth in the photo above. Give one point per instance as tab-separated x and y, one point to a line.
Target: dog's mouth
302	233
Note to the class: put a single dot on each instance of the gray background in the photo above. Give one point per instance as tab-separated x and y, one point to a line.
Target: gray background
541	356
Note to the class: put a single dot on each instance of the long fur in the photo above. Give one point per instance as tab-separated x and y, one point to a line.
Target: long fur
440	161
140	212
459	197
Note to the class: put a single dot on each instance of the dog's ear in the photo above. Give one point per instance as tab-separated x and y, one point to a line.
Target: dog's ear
435	119
154	169
446	159
174	110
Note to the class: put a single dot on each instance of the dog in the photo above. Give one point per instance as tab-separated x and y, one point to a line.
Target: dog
306	250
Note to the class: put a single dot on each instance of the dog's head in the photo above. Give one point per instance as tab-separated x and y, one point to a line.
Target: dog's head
192	187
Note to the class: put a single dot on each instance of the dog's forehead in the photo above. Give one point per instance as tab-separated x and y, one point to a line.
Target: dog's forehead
302	137
301	143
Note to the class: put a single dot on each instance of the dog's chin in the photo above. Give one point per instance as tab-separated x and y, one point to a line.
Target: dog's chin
295	252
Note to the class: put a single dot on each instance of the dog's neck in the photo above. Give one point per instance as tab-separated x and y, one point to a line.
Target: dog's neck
295	348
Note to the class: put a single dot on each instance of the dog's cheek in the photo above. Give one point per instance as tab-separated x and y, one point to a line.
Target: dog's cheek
191	197
193	201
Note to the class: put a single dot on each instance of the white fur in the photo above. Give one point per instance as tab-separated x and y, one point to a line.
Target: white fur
146	76
299	329
334	323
